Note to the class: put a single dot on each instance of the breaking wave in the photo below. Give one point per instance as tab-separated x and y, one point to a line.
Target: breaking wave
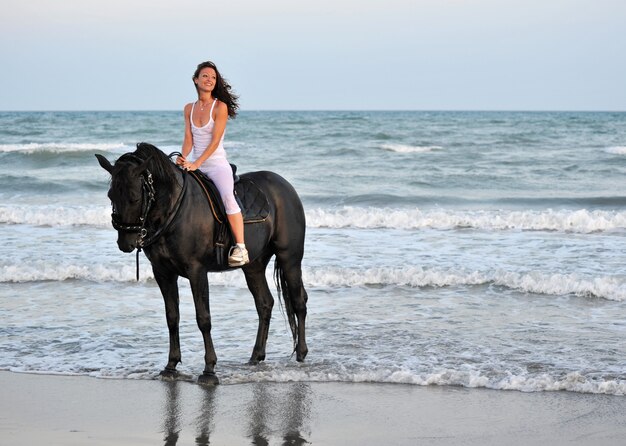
403	148
283	372
572	382
604	287
56	215
579	221
618	150
63	147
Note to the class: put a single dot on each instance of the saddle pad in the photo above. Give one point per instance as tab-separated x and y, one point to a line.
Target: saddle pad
252	200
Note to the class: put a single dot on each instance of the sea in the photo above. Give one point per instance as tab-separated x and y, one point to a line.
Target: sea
472	249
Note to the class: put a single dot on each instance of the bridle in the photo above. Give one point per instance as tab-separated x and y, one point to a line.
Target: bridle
148	197
148	194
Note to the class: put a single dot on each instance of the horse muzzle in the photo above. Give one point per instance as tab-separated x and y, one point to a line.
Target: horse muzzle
127	242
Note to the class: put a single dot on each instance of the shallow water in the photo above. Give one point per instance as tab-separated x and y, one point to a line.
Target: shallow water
472	249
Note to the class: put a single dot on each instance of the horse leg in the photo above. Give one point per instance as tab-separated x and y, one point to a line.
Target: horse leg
200	290
264	302
292	270
169	289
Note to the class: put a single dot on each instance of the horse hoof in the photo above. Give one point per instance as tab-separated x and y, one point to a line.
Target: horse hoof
301	355
169	374
208	379
256	360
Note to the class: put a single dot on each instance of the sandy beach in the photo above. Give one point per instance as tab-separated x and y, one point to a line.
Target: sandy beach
74	410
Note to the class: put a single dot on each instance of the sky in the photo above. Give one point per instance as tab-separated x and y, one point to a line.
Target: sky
315	54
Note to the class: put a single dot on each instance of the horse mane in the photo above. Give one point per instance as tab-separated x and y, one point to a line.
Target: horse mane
159	165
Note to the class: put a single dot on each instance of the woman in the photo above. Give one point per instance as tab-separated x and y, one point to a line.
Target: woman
205	123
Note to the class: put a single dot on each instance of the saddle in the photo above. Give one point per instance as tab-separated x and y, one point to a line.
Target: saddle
252	200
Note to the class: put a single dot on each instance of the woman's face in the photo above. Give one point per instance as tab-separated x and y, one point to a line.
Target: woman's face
206	79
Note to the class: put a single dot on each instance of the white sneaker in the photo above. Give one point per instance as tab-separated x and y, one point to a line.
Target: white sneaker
238	256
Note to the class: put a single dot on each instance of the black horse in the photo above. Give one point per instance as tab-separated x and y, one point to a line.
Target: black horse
159	208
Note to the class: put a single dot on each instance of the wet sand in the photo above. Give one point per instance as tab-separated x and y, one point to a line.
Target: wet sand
68	410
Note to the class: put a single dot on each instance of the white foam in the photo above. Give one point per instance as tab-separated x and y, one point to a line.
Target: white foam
617	150
283	372
403	148
99	216
606	287
60	271
572	382
402	276
63	147
581	220
40	271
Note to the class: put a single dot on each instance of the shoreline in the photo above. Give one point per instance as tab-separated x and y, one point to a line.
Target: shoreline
79	410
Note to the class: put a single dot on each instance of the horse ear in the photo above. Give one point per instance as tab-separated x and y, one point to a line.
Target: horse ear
104	163
143	166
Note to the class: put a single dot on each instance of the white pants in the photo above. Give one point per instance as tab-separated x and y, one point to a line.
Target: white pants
219	171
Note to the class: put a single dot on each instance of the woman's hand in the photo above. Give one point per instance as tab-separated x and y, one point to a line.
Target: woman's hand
190	166
187	165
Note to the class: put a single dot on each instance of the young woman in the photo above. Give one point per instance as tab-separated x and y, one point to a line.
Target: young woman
203	146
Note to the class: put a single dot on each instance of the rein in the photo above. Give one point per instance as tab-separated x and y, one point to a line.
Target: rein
148	198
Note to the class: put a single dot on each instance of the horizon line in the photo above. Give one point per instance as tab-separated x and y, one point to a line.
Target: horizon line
471	110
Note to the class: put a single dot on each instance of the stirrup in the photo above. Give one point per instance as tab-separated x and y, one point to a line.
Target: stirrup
238	260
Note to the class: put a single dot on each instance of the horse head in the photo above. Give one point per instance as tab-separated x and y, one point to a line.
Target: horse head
131	193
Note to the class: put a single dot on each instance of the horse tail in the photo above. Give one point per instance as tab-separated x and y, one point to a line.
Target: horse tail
283	290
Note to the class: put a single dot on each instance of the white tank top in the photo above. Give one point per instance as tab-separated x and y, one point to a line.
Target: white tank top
202	137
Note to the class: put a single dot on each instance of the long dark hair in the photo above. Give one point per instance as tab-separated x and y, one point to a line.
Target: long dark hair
221	90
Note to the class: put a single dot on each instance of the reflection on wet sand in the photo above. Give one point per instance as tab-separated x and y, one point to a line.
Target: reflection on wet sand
297	420
289	409
267	412
258	418
171	415
205	415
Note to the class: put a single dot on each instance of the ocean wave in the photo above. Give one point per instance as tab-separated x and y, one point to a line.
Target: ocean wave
604	287
572	382
64	147
283	372
59	271
617	150
403	148
577	221
581	220
56	215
